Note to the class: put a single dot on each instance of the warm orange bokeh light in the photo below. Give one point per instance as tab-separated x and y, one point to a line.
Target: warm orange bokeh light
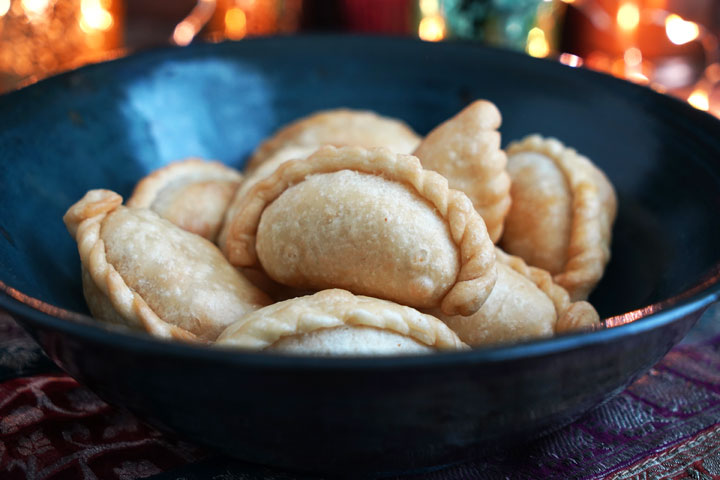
537	44
699	99
183	34
633	57
432	28
628	16
571	60
235	23
680	31
34	7
94	16
429	7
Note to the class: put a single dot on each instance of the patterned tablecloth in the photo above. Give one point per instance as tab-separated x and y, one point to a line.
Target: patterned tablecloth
665	425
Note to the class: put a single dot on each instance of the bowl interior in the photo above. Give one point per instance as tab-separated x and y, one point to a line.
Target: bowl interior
108	125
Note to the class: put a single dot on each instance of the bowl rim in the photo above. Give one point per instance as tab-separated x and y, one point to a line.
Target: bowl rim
657	315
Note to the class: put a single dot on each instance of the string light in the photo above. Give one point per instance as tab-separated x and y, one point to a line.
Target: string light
628	16
680	31
432	28
537	45
94	16
429	7
699	99
633	57
34	7
235	23
571	60
632	66
191	25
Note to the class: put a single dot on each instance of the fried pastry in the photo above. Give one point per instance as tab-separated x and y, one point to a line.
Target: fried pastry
466	150
338	127
263	170
525	304
336	322
144	272
562	212
368	221
193	194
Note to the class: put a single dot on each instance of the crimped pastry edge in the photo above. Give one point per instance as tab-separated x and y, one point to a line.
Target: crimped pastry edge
571	315
84	220
283	136
477	275
148	189
494	166
594	206
258	330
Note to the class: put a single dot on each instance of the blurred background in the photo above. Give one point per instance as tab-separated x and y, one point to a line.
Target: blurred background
668	45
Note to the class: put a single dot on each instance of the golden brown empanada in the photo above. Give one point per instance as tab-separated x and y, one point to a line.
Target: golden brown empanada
193	194
525	304
338	127
562	212
143	271
369	221
336	322
466	150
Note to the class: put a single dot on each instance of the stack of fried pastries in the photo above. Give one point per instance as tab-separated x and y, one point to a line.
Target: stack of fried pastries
349	234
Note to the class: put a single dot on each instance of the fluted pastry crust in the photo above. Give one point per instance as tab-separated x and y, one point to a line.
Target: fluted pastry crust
193	194
525	304
157	277
261	172
333	309
339	127
465	228
571	315
466	150
593	208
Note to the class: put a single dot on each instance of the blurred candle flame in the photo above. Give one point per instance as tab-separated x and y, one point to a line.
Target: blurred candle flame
432	28
680	31
537	45
699	99
628	16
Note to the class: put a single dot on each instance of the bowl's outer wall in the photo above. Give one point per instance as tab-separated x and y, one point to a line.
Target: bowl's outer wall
106	126
361	419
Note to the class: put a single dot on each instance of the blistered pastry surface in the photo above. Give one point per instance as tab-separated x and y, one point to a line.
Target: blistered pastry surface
516	310
170	282
193	194
475	250
539	228
359	232
571	315
593	206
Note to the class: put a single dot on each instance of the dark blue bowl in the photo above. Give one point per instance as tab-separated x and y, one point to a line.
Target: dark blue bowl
107	125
